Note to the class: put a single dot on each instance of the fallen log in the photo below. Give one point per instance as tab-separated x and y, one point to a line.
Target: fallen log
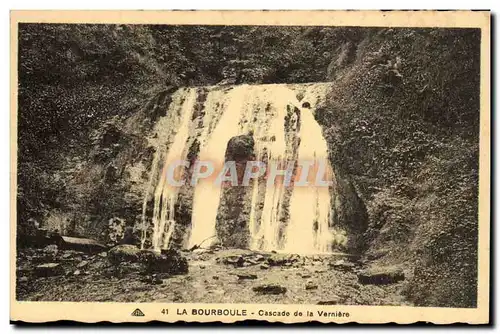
82	244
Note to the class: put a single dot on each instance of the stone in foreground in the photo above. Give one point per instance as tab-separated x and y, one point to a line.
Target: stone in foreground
169	261
381	276
269	289
123	253
49	269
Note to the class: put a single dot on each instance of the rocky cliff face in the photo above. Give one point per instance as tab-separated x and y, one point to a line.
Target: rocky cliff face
402	121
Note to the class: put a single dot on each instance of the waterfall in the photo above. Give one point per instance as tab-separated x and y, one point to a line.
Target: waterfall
165	195
270	140
207	193
280	118
310	203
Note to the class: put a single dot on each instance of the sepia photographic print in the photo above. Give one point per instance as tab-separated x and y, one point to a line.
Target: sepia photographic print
282	166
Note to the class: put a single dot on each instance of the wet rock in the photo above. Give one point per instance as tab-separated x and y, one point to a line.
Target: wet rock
123	253
329	302
380	276
236	261
337	263
47	254
251	262
23	269
269	289
304	275
168	261
259	257
49	269
66	255
52	249
311	286
153	279
343	265
281	260
82	264
244	260
77	272
246	276
103	254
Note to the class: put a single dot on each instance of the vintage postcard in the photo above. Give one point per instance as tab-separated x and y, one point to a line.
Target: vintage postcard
281	166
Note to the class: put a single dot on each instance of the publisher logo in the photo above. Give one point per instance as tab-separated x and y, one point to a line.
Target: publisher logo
137	313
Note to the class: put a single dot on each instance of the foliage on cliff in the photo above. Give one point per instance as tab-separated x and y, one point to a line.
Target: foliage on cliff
403	122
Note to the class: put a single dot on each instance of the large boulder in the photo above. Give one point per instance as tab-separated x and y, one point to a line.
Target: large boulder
123	253
286	260
235	201
169	261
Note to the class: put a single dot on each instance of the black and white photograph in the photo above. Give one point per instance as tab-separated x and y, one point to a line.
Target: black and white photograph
268	164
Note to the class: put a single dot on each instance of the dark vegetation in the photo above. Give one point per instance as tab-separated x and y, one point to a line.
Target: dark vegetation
402	122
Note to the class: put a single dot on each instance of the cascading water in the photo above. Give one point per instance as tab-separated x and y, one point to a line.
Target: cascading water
271	141
165	195
280	118
310	203
207	193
